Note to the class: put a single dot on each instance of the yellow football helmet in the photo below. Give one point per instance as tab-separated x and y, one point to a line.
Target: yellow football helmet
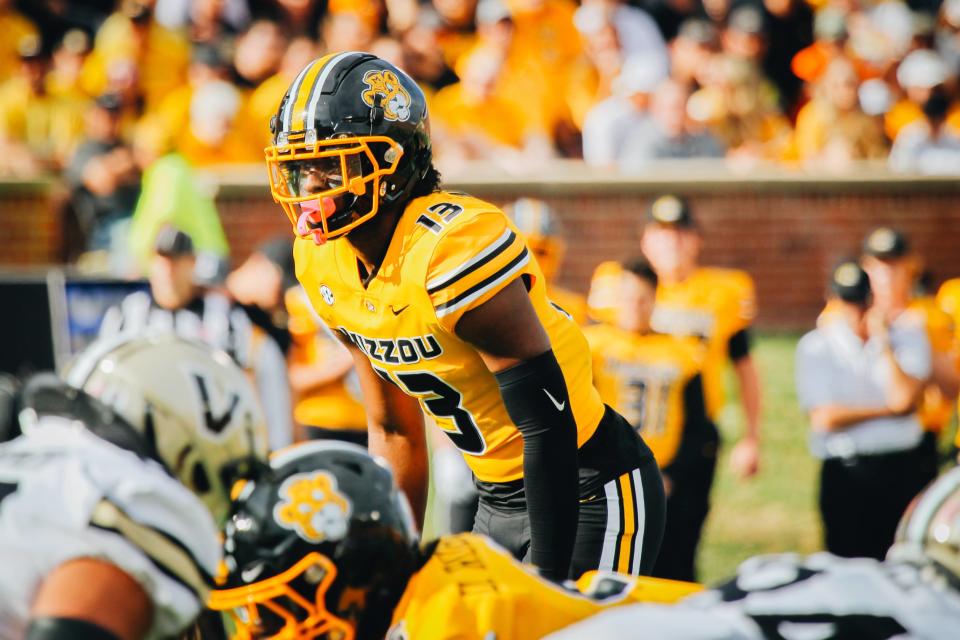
351	135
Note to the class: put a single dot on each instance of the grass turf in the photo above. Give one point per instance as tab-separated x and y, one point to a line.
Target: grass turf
776	510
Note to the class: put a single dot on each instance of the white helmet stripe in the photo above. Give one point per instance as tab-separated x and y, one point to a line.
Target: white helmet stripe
318	87
287	115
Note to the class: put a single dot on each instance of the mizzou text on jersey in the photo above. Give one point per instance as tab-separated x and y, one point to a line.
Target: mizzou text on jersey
434	271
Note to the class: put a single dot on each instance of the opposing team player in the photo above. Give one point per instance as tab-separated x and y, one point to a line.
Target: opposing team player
109	508
442	303
326	547
914	593
538	223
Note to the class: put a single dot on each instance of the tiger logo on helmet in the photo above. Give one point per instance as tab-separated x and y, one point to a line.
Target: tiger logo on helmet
396	99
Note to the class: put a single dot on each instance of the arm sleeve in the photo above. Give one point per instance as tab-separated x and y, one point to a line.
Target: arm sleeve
535	395
472	263
738	347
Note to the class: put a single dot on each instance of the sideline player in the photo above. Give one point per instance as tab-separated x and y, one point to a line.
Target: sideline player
716	305
439	299
655	381
914	593
538	223
326	546
105	505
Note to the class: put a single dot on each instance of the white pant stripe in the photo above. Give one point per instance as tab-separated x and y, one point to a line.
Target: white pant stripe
641	521
607	556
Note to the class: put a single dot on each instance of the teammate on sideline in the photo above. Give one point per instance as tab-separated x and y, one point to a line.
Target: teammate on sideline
109	515
714	305
542	233
655	381
439	299
914	593
326	547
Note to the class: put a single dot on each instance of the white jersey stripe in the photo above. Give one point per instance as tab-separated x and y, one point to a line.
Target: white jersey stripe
506	276
442	281
318	88
292	98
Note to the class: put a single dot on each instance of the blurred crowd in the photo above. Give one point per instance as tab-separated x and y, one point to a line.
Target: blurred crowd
98	89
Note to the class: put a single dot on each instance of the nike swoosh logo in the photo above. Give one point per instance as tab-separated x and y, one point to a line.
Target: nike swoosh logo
558	405
397	312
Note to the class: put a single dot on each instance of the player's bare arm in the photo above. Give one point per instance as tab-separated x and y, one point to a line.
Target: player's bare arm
515	347
745	457
89	596
396	432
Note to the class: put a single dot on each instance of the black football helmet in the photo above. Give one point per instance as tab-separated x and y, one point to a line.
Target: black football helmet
322	548
351	135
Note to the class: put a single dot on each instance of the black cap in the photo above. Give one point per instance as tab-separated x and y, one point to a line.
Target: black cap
279	251
171	243
886	244
109	101
671	210
849	282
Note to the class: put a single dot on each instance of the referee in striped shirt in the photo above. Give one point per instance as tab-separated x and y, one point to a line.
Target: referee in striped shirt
177	304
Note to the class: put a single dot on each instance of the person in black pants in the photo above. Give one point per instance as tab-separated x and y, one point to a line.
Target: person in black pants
860	378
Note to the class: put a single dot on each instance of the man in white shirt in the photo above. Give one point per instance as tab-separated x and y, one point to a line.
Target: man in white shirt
859	378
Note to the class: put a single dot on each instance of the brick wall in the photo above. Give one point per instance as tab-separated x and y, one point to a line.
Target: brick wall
786	231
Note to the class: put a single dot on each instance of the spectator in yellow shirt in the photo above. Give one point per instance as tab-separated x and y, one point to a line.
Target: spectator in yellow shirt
14	27
471	121
131	35
38	131
263	101
832	129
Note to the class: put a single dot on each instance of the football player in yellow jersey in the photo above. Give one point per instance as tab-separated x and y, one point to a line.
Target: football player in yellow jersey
948	300
715	305
326	547
541	230
654	380
444	309
893	269
327	401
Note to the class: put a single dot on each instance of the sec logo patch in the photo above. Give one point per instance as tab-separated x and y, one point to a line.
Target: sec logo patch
326	294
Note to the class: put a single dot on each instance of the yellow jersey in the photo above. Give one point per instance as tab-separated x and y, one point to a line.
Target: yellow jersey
449	253
336	405
650	380
570	301
470	589
713	305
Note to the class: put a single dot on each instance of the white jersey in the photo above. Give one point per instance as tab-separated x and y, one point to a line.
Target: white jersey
792	598
66	493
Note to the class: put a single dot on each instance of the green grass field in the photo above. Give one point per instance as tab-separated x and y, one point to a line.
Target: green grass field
777	509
